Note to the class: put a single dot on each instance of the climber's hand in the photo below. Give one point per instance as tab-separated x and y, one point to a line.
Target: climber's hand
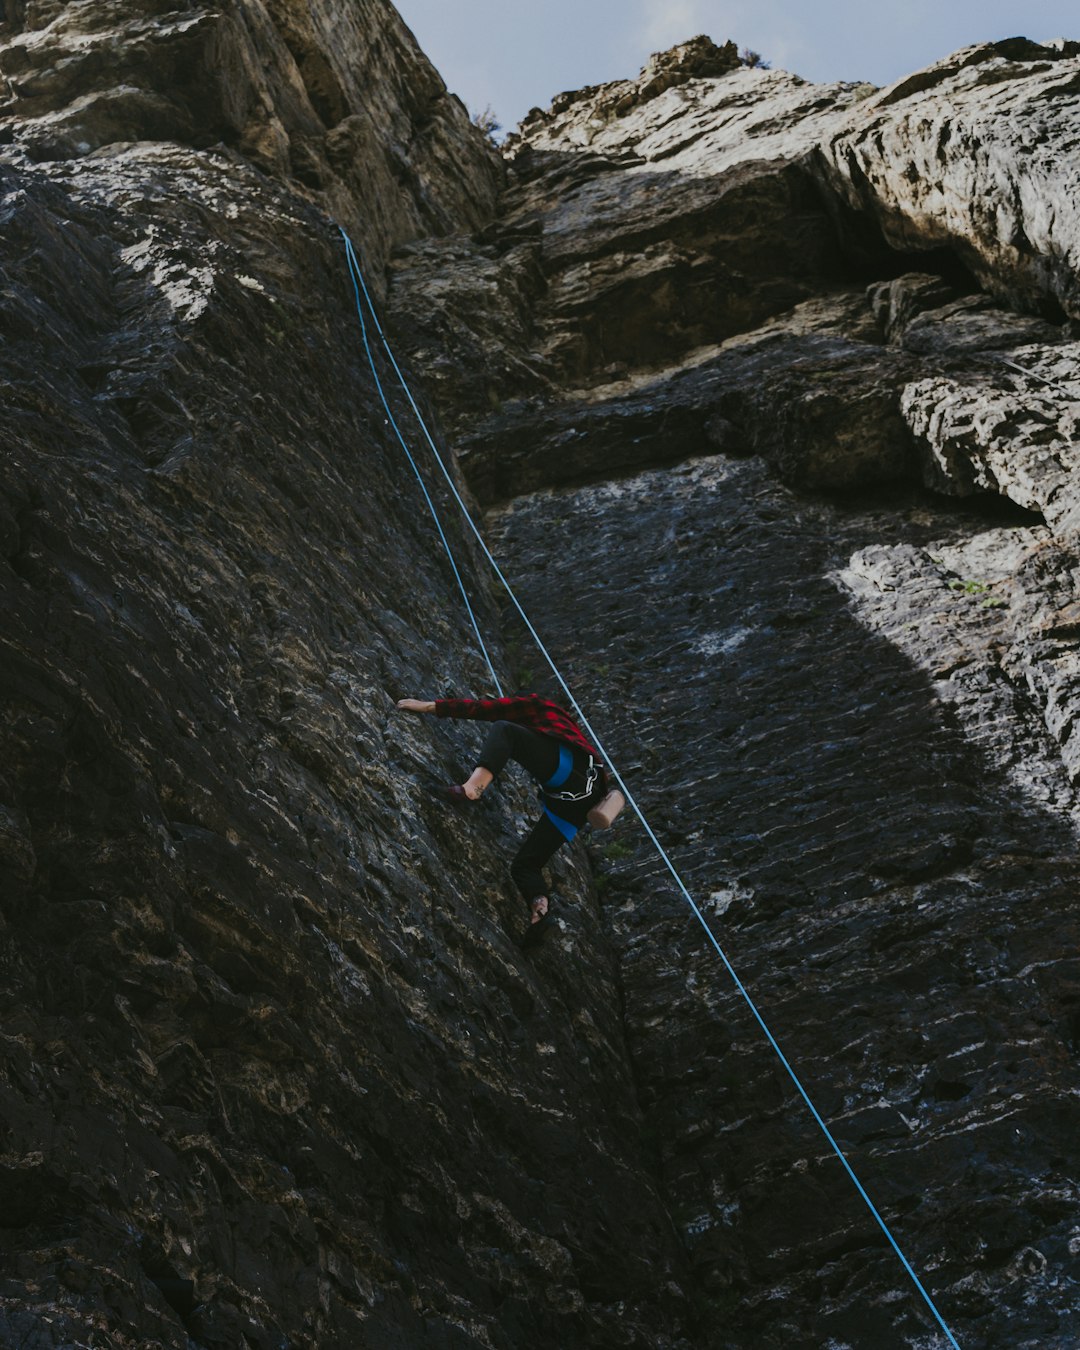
415	705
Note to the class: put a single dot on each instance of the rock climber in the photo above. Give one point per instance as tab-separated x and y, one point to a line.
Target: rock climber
545	740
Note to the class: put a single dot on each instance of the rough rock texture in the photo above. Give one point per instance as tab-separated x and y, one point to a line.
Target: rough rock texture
274	1071
978	152
333	98
266	1026
707	229
628	242
786	478
823	406
697	59
1019	441
852	720
923	313
883	838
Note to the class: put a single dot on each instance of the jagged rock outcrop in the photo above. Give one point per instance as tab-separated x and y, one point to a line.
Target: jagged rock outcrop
629	247
696	230
1020	442
628	243
978	152
274	1070
924	313
695	60
334	99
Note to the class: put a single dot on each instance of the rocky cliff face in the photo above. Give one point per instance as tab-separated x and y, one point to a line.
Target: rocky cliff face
836	655
335	100
274	1070
780	452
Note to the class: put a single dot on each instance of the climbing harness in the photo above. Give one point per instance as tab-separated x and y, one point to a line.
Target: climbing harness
549	791
566	767
563	772
359	286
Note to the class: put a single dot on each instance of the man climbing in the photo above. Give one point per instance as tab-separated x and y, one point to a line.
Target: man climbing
546	741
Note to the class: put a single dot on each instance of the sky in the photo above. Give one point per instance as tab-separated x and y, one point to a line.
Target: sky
511	55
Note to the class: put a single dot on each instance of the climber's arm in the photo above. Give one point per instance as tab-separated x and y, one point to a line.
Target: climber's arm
480	709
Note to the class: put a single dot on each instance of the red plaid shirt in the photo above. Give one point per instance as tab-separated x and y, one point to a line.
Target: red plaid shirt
538	714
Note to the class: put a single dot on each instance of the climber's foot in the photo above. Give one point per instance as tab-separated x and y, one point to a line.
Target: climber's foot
541	919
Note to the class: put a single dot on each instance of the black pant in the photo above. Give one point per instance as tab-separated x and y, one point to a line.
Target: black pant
539	756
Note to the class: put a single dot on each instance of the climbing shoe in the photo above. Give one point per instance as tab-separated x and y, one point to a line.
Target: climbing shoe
536	932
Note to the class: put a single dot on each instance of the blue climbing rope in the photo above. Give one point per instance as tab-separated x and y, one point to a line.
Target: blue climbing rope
358	276
1032	374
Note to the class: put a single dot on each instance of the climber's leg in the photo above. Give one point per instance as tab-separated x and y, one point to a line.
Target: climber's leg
538	755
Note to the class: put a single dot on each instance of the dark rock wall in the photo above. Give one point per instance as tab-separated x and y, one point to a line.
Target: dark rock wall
899	899
274	1070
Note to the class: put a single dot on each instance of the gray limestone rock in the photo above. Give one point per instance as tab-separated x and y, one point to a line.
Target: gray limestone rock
898	302
700	58
685	220
1020	441
976	153
924	314
974	324
834	718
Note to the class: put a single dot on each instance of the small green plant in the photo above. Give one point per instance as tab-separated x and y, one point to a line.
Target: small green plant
968	587
993	602
488	123
615	850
